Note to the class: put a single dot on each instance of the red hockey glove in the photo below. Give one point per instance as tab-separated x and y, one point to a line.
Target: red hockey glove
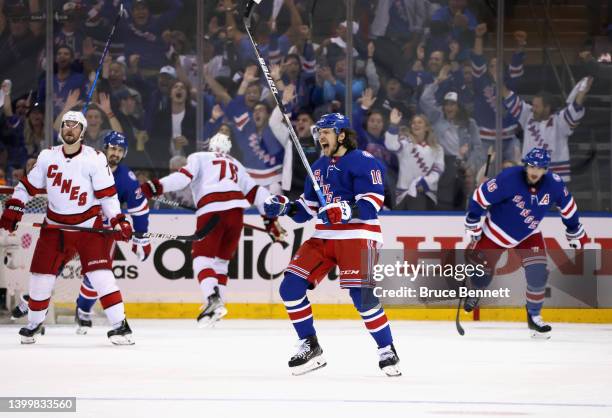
123	229
141	247
13	212
152	188
335	213
274	229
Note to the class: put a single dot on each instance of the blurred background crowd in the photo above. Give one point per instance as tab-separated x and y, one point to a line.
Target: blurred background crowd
423	86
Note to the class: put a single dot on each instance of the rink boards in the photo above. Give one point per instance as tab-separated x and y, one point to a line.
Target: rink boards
163	286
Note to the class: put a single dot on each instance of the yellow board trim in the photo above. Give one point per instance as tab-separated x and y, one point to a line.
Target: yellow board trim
331	311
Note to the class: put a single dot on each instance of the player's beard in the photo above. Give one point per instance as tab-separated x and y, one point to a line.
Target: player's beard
71	140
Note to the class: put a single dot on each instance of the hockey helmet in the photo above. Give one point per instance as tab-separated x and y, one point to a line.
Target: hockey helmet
337	121
74	116
116	139
220	143
537	157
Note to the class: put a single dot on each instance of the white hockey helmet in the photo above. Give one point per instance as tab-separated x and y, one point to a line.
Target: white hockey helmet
74	116
220	143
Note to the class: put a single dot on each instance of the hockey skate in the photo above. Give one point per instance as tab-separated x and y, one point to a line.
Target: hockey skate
538	328
28	334
83	321
308	358
121	335
214	311
389	361
21	310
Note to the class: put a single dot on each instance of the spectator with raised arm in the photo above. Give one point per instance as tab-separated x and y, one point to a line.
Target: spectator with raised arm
369	123
454	22
272	45
419	76
485	87
397	27
65	80
545	128
142	34
262	154
421	162
458	135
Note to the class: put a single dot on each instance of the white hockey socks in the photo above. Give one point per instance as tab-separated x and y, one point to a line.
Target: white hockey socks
104	283
41	288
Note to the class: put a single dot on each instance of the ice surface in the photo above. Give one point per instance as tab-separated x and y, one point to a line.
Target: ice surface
239	369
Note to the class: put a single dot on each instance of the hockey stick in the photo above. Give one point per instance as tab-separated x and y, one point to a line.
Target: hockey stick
176	204
197	236
264	68
460	329
121	12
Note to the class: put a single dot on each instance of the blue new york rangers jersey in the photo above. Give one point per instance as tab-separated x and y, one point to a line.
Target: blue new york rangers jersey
357	177
128	191
515	209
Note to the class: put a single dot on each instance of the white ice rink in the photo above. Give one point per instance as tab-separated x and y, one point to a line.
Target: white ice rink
239	370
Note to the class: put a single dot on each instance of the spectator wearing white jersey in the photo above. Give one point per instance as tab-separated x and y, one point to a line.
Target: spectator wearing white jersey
546	129
421	162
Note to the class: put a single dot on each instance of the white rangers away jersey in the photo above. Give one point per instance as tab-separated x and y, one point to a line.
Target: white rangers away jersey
79	187
551	134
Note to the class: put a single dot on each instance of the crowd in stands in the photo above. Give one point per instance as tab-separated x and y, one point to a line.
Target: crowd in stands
423	88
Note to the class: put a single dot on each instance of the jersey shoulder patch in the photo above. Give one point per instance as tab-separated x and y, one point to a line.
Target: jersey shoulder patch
132	175
556	177
492	185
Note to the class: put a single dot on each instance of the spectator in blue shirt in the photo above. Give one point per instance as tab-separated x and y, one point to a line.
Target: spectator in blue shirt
65	80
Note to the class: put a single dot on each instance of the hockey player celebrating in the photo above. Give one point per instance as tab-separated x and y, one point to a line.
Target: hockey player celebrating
128	192
221	187
80	187
347	235
515	202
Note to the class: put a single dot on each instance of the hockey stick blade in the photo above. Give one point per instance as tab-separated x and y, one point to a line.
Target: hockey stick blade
197	236
460	329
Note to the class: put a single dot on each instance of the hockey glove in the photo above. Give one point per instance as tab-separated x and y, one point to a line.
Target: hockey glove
152	188
13	212
473	231
141	247
123	229
274	229
335	213
276	205
577	240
